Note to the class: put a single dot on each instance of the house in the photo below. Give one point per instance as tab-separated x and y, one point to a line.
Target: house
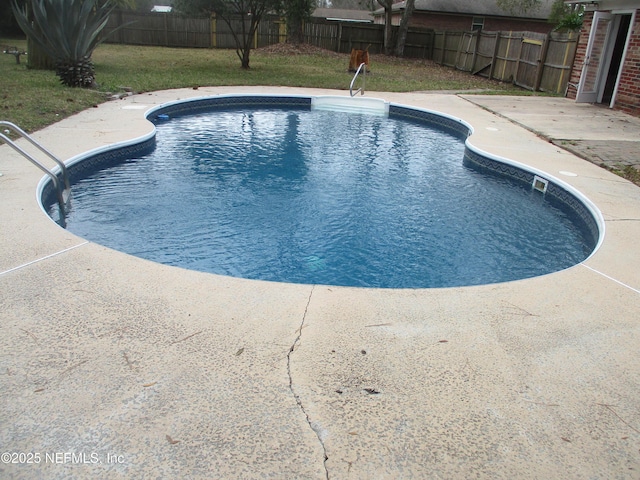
606	68
465	15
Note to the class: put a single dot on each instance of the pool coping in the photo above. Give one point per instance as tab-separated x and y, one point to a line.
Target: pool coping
499	380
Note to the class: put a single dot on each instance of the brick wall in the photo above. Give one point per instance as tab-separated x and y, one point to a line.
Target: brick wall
628	98
506	25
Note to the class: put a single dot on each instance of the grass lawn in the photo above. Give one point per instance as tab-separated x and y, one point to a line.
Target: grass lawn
34	98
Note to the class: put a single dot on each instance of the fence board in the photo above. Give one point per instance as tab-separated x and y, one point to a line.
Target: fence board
558	62
485	52
271	32
446	45
223	36
362	37
507	57
323	34
188	32
159	29
419	43
528	62
466	51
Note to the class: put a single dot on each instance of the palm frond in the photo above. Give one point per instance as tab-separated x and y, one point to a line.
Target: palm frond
67	30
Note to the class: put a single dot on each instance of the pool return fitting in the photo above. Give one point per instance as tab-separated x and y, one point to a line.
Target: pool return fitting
62	191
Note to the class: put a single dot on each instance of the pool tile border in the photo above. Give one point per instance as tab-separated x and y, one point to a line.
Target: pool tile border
555	194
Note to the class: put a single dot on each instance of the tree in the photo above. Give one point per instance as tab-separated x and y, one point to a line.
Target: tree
409	6
566	17
563	16
296	12
37	59
67	31
388	31
241	16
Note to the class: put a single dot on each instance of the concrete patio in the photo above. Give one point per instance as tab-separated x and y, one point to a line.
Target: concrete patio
116	367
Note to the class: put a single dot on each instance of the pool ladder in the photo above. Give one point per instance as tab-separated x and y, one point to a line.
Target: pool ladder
362	68
63	189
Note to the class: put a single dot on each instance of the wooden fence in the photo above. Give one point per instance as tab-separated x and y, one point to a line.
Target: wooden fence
159	29
531	60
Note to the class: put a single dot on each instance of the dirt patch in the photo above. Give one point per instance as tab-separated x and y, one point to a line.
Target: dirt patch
300	49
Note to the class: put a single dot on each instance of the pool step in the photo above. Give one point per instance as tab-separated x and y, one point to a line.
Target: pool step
365	105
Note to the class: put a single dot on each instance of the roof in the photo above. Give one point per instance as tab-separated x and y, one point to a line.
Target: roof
607	4
343	14
481	8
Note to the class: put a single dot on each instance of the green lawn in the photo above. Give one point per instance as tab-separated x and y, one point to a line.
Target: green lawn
34	98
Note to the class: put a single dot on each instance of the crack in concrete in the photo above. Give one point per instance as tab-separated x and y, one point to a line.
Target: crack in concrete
312	425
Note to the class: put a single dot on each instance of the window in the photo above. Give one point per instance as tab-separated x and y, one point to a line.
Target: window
477	23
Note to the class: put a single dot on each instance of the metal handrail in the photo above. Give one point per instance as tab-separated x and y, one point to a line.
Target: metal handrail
62	191
364	80
26	136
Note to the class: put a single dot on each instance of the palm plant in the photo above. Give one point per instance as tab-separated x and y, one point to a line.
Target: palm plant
565	17
68	31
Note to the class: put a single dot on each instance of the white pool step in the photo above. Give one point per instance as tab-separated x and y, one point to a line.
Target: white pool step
366	105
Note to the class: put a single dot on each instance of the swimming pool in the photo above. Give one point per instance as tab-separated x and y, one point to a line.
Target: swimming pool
269	188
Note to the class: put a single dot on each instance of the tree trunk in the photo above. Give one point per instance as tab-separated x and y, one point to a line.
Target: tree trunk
295	31
37	59
249	37
388	27
243	38
409	6
244	61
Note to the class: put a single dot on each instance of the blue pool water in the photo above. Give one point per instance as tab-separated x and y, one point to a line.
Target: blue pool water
322	197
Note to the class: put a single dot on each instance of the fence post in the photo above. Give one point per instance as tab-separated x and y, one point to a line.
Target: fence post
282	31
515	73
120	30
496	48
506	56
444	46
166	30
214	31
541	62
460	42
567	48
429	44
475	50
